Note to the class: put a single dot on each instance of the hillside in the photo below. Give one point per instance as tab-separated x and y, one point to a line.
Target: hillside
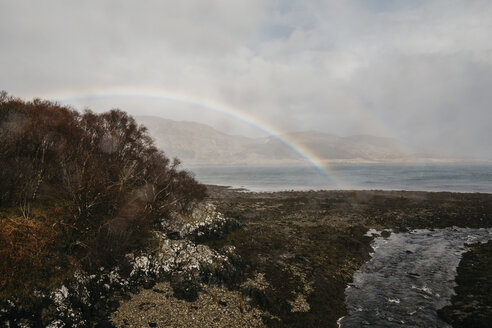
196	143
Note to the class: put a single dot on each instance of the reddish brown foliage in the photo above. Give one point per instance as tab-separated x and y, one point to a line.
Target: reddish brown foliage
27	253
101	172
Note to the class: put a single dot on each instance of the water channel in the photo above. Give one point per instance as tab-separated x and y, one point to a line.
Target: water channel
409	277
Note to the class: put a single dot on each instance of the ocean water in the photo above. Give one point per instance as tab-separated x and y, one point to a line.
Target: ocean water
424	177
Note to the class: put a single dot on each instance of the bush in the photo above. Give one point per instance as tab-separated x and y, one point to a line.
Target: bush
98	175
28	254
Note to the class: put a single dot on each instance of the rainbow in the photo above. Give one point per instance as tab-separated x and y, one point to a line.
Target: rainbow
237	113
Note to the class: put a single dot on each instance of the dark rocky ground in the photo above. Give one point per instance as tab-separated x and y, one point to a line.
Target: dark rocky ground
307	245
472	304
278	259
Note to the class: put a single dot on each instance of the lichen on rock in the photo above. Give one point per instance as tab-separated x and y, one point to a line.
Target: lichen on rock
175	255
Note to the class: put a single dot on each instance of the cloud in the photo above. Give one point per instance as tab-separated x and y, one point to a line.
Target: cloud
418	70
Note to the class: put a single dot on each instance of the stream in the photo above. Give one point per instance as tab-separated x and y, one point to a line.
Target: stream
409	277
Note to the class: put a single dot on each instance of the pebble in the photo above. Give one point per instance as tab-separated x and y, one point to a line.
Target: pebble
215	307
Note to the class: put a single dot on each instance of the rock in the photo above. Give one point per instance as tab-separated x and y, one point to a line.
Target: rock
258	289
299	304
202	224
385	233
188	259
89	298
184	287
105	324
173	225
113	304
148	283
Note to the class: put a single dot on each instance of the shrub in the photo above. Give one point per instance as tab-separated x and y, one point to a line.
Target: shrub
28	253
98	175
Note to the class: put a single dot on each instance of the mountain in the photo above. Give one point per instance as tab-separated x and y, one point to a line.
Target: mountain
196	143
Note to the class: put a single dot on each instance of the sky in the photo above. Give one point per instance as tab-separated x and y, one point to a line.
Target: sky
418	71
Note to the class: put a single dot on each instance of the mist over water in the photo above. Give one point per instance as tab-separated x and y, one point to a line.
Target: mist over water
423	177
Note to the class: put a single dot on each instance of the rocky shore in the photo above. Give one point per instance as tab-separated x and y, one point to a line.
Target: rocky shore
299	250
174	254
309	244
244	259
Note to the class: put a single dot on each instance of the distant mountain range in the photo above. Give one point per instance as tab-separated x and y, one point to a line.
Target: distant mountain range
196	143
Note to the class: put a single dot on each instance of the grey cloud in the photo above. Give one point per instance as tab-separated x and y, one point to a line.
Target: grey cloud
419	70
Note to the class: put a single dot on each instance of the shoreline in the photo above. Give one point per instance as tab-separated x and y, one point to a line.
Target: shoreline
270	191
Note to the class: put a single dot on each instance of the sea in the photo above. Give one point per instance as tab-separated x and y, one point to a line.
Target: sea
453	177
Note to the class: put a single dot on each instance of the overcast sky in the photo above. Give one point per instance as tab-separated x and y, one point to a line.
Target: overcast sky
419	71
